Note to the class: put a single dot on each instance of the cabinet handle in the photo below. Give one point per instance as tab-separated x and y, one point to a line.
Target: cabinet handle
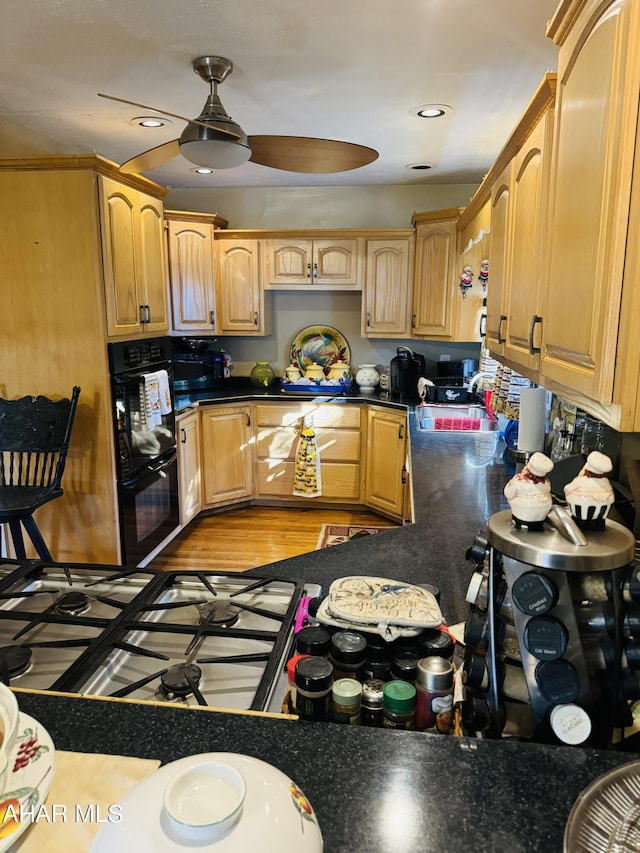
501	340
308	270
248	419
483	325
404	476
142	314
400	430
184	435
147	311
213	317
255	318
413	321
315	270
534	321
368	319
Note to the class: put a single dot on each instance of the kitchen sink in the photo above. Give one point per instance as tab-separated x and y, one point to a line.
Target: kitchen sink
471	418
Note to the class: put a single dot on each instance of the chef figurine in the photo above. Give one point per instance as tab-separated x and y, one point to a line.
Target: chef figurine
589	495
466	280
529	493
483	275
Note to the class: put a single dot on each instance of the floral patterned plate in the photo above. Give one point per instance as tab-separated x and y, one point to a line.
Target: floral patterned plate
27	783
276	815
320	344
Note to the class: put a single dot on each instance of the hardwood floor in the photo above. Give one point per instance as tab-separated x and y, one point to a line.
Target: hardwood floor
242	539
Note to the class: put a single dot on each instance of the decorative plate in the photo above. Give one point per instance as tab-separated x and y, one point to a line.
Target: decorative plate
320	344
606	815
28	779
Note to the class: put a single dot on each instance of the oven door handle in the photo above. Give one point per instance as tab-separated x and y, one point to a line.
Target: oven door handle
152	468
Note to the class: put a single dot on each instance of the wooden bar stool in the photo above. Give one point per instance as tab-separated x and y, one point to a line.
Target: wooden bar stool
34	442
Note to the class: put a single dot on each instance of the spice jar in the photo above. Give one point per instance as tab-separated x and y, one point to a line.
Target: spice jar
346	699
399	705
347	654
435	643
404	666
314	640
371	713
291	677
434	706
313	677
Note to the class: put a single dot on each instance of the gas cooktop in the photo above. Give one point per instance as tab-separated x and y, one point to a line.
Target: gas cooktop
191	638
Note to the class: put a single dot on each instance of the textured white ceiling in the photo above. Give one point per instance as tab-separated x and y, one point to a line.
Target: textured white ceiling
340	69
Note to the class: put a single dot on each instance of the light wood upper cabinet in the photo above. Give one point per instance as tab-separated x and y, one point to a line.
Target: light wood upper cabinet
189	474
387	288
434	275
499	264
227	460
386	461
299	263
590	233
191	273
134	260
239	293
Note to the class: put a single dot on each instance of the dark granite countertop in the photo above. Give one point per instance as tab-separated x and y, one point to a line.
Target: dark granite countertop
373	790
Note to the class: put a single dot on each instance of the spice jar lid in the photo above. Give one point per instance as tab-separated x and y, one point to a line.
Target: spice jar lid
436	643
347	691
399	697
570	723
404	666
434	673
372	692
291	666
314	640
314	674
348	647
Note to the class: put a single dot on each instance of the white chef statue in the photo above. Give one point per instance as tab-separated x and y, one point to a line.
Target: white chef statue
529	492
589	495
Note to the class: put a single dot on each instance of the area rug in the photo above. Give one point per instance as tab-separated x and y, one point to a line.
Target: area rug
335	534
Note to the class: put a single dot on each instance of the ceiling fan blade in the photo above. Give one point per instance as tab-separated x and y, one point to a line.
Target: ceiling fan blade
220	128
152	158
310	155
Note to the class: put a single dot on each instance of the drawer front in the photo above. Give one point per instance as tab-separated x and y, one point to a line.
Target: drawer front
339	480
335	445
324	415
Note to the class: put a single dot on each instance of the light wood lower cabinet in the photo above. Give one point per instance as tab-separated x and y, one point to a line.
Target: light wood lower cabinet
189	472
227	462
387	475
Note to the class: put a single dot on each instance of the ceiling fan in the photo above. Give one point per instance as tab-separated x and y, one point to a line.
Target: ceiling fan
214	140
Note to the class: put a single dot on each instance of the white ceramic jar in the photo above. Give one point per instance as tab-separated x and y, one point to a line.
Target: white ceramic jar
367	378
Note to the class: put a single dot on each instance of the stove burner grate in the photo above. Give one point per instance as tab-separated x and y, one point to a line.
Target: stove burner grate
72	603
221	614
14	661
180	680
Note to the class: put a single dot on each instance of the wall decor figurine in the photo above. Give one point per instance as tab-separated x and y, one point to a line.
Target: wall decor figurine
484	273
529	493
466	280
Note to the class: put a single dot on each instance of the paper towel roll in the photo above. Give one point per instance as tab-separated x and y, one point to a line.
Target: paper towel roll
531	421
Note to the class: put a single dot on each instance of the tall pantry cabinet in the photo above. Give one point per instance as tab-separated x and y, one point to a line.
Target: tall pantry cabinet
54	328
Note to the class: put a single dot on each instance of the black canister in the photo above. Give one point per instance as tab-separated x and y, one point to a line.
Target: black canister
434	643
372	713
314	641
404	666
348	654
314	679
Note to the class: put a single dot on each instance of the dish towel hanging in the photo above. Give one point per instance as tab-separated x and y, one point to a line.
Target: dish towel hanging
307	480
152	400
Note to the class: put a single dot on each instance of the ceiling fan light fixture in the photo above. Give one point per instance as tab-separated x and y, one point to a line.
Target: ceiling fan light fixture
215	153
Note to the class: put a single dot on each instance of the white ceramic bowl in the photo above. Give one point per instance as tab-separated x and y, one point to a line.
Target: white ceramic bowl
204	801
9	714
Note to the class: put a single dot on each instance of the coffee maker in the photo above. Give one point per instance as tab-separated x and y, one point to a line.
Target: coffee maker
406	368
552	639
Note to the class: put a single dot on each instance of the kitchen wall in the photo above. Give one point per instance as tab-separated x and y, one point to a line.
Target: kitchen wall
315	208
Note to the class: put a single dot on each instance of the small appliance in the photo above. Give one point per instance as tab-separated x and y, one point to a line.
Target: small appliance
197	367
406	368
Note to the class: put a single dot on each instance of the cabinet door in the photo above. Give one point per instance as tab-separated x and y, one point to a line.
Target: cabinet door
385	302
191	273
239	291
151	265
434	279
289	261
473	243
499	244
387	476
335	262
596	125
227	466
119	212
188	429
526	261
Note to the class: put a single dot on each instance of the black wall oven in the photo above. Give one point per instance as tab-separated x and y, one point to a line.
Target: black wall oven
145	433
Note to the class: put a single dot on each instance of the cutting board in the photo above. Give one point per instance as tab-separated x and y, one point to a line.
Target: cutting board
82	780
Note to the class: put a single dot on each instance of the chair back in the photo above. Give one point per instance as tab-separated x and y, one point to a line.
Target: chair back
34	440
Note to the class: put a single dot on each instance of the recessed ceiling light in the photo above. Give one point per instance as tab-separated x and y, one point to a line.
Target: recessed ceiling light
203	170
150	121
430	110
418	166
